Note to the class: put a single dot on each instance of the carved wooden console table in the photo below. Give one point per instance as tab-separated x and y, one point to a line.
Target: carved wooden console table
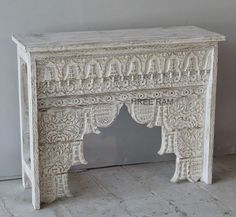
72	84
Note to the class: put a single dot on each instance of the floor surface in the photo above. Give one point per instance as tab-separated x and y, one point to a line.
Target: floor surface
142	190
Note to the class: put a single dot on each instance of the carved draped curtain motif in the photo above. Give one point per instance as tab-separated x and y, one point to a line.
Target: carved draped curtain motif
110	81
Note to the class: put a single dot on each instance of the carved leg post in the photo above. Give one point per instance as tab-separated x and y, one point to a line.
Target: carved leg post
210	119
182	134
53	187
188	168
56	159
24	119
188	150
25	180
28	125
61	146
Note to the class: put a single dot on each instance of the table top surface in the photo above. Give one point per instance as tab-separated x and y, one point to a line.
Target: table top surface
123	37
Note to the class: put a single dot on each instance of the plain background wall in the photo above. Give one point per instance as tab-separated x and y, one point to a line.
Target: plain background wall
125	141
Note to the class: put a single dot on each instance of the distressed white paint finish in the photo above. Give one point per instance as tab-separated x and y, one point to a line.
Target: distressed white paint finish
71	40
72	84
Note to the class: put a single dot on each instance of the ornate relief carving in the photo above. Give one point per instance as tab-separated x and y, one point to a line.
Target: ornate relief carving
92	69
76	101
134	66
105	114
53	187
72	71
66	113
62	125
113	68
62	76
188	168
50	73
61	128
155	65
187	112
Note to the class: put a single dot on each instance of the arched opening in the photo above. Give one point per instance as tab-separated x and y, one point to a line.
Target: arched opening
124	142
